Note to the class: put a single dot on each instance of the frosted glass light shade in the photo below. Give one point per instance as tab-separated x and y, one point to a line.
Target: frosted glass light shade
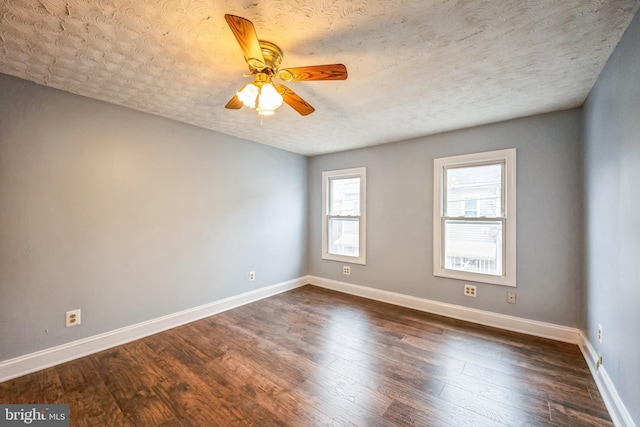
269	99
248	95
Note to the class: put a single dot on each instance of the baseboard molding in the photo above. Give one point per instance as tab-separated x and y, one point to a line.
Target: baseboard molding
33	362
487	318
617	410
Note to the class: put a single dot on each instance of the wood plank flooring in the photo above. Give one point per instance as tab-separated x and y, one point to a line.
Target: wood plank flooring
316	357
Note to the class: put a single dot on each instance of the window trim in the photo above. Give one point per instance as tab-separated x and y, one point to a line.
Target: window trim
360	172
508	158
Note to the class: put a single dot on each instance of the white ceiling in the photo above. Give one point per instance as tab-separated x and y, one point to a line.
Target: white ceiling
416	67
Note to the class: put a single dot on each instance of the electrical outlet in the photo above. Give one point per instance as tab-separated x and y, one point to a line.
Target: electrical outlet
600	333
346	270
72	318
252	276
470	290
511	297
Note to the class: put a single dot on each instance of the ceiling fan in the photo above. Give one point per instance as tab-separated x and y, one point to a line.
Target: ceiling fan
264	59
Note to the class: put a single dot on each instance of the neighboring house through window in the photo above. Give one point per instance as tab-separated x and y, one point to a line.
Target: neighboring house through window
343	215
474	224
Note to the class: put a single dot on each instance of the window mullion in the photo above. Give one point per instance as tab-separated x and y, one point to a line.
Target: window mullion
474	218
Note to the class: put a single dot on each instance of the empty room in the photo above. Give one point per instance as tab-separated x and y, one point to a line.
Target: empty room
314	213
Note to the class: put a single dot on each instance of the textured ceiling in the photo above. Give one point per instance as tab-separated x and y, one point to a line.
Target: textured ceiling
416	67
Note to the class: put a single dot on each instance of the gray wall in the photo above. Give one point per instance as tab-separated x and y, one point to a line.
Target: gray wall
400	212
612	219
129	216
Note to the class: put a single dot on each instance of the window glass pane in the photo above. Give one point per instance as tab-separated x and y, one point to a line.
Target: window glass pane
344	236
474	246
474	191
345	196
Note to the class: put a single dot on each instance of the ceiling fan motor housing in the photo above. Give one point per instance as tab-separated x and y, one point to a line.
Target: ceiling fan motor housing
272	59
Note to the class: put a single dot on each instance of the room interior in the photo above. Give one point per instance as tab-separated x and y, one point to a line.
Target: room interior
128	190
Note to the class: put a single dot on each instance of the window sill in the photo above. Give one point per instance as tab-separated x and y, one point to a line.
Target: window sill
345	259
475	277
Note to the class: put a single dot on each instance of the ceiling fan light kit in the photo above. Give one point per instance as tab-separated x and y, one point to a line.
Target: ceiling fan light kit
264	59
261	95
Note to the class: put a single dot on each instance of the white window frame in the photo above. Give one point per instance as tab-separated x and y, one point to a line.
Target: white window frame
508	158
360	172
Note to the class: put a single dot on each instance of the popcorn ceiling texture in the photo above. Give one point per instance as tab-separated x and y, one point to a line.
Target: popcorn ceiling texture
416	67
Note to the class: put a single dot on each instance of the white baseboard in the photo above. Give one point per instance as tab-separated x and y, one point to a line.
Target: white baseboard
32	362
487	318
617	410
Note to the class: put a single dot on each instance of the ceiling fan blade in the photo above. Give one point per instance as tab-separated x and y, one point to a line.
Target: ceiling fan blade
314	72
294	101
247	37
234	103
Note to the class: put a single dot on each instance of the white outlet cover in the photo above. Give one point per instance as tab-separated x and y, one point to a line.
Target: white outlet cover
73	318
470	290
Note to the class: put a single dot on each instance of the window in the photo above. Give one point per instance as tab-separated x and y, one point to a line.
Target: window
343	215
474	222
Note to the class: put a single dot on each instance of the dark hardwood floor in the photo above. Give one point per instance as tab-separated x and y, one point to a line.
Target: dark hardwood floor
317	357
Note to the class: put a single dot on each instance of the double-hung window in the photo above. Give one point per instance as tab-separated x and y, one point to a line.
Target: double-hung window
474	223
343	215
